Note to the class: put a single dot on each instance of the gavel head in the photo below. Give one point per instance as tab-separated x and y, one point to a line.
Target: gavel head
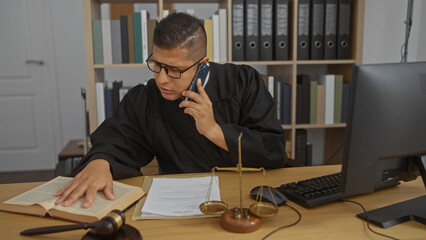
110	224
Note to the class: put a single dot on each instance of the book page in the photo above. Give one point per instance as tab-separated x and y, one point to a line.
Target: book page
179	196
43	195
101	202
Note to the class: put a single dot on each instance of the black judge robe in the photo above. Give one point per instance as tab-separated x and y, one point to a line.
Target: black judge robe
147	125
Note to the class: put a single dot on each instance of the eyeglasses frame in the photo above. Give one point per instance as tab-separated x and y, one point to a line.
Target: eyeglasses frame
164	66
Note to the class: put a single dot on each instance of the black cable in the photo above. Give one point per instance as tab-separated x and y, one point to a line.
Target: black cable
368	220
285	226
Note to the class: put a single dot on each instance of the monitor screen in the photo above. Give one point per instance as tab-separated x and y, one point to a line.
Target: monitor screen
386	126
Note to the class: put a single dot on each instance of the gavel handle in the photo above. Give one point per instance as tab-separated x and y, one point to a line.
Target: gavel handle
54	229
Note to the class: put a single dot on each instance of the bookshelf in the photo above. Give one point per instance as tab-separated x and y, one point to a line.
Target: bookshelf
334	133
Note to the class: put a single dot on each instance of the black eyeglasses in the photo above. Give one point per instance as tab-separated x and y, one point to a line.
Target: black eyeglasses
172	72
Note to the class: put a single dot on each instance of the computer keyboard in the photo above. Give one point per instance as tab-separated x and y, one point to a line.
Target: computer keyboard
314	191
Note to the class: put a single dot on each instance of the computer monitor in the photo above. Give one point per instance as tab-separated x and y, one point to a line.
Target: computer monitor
385	139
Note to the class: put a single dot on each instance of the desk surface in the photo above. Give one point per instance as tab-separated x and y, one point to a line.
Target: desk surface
331	221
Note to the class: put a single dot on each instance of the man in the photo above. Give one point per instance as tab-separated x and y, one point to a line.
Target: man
185	136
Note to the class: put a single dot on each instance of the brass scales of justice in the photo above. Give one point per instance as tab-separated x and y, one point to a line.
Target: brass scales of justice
239	219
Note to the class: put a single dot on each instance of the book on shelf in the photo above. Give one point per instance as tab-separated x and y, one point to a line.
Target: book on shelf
313	102
117	57
345	102
98	54
208	26
216	38
320	104
106	41
286	103
100	101
223	35
328	82
338	85
40	201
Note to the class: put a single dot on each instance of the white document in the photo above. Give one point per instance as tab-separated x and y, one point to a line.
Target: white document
177	197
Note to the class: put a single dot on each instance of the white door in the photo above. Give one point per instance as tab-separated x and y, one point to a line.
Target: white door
27	91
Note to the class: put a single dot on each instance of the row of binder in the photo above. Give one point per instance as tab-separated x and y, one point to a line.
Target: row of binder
260	30
324	29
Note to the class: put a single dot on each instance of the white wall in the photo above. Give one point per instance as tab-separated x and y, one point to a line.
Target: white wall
384	32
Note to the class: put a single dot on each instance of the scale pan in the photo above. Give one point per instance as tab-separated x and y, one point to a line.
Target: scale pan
263	209
213	207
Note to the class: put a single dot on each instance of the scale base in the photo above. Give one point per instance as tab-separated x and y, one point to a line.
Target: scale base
233	221
126	232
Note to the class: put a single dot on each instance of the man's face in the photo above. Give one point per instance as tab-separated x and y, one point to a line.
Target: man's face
171	88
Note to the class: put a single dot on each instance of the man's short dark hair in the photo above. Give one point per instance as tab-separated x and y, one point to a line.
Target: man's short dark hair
181	30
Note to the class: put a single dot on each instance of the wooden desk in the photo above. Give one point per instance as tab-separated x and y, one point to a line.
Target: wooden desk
331	221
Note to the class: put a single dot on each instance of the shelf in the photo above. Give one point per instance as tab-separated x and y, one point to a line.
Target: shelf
326	62
288	69
311	126
126	65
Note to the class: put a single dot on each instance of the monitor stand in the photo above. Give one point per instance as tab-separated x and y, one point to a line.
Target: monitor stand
413	209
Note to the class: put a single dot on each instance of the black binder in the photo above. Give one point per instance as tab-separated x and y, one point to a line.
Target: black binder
266	30
238	30
124	39
317	30
303	30
330	29
344	29
252	30
281	26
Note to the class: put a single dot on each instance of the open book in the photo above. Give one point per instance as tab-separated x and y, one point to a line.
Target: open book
40	201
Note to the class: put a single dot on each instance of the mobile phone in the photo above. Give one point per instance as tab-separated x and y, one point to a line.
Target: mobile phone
202	73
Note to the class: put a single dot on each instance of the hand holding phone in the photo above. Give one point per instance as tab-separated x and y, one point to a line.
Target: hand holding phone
202	73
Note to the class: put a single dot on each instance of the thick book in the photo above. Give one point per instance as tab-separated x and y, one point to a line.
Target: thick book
345	102
117	57
313	102
216	38
223	35
328	82
124	39
109	108
100	101
304	81
40	201
131	38
98	52
106	41
137	36
286	103
320	104
208	26
338	85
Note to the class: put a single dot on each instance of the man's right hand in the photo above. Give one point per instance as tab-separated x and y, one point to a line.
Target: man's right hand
94	177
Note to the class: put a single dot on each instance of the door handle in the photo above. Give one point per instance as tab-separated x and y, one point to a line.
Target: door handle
38	62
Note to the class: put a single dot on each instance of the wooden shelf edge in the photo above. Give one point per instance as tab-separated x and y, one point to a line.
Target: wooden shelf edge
337	125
